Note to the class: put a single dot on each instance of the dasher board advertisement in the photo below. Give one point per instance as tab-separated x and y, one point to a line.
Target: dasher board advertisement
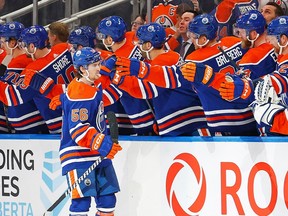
158	176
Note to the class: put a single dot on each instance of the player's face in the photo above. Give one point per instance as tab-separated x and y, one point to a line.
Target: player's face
94	70
242	34
272	39
269	13
185	19
8	45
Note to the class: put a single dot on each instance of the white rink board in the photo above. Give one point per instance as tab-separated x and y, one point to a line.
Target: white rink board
157	176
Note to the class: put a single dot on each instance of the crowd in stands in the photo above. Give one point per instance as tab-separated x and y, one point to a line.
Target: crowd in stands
199	68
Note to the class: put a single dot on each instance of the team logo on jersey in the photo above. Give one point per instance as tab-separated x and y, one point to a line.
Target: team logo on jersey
174	181
165	21
100	120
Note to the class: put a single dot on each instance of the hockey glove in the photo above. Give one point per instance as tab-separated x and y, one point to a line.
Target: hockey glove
55	102
132	67
108	66
265	92
104	145
198	73
264	113
234	87
38	81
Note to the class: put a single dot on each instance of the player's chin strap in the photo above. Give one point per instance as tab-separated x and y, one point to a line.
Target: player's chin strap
87	76
202	45
108	46
281	47
147	52
31	54
11	48
252	41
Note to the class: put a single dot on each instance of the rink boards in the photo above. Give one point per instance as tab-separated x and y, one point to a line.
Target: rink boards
158	176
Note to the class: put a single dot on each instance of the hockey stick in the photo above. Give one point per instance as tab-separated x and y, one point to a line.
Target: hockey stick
113	126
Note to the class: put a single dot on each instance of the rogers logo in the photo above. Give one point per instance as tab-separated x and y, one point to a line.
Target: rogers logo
195	204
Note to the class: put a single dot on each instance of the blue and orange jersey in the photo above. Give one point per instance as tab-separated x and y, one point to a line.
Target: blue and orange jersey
174	118
22	113
228	11
83	119
58	65
222	116
164	13
258	58
2	55
140	114
234	117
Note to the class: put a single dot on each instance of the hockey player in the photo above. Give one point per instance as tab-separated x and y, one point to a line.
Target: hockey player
55	64
58	33
25	117
84	139
111	30
182	118
270	107
228	11
222	116
84	36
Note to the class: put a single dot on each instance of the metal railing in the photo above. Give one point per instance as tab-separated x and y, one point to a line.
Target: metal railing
77	16
25	10
72	16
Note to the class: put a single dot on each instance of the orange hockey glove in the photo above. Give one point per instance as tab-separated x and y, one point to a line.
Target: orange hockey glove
55	102
38	81
235	87
132	67
104	145
198	73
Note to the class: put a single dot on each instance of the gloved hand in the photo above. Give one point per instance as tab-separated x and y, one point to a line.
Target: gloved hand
55	102
198	73
132	67
38	81
108	66
235	87
114	150
104	145
265	92
264	113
